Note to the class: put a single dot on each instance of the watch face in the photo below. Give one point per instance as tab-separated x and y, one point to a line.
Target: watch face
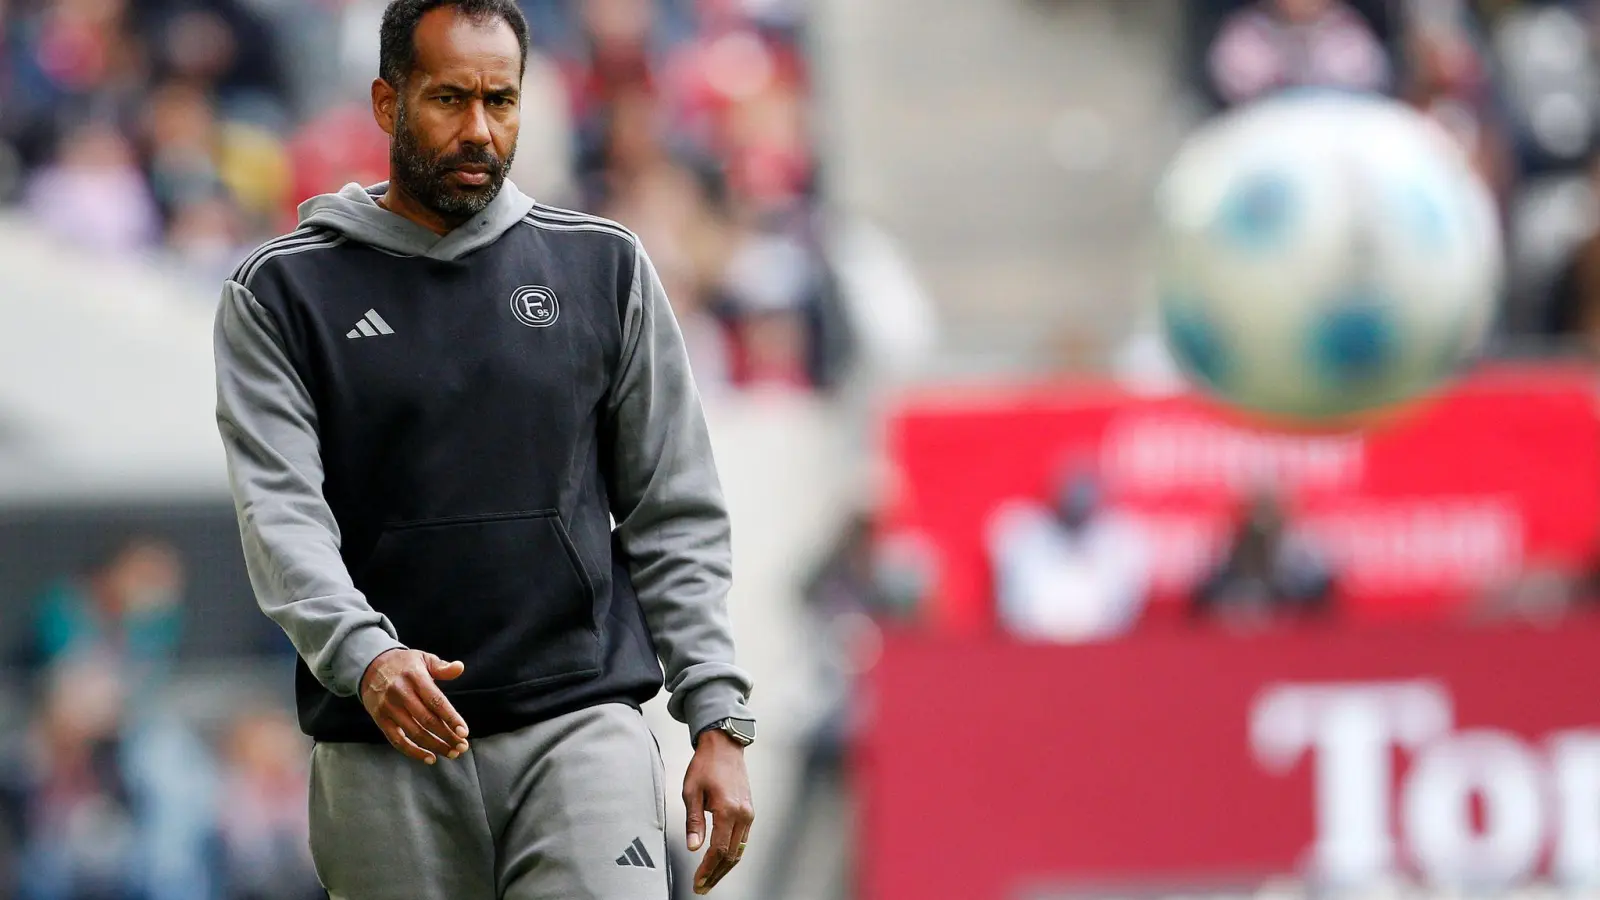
741	730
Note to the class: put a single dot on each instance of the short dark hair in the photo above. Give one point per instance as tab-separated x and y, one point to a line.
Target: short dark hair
397	45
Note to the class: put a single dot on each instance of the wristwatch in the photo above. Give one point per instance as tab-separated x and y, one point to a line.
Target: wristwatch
743	731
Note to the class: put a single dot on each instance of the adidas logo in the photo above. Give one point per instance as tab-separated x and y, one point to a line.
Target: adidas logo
636	855
371	325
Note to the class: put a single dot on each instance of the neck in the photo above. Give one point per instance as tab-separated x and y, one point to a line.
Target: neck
398	201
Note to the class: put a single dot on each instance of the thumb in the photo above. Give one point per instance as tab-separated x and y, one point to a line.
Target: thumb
445	671
694	800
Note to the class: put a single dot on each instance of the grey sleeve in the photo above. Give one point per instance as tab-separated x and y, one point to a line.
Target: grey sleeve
290	538
672	522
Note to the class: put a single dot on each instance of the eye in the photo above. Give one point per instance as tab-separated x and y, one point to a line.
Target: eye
501	102
448	99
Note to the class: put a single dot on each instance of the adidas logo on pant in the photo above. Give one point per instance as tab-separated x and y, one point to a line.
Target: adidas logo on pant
636	855
371	325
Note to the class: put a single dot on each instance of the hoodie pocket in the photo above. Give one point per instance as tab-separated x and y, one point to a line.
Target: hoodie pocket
505	593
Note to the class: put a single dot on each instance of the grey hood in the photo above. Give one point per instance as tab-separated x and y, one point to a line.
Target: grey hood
354	212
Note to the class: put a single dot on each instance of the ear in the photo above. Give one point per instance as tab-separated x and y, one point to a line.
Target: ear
384	100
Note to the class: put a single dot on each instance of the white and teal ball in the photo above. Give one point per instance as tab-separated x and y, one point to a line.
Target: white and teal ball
1324	256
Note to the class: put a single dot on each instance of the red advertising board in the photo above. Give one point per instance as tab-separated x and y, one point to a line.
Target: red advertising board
995	771
1416	515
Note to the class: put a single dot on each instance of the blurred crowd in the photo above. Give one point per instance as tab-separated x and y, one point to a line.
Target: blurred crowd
189	131
110	790
1514	81
1074	567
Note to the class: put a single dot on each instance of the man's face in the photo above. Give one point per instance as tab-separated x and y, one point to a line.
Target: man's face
454	123
145	578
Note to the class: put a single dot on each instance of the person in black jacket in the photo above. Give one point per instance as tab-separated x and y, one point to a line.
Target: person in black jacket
1267	575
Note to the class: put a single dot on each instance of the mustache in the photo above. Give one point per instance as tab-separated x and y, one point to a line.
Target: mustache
469	156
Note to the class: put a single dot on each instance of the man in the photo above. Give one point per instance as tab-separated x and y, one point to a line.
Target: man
436	396
1072	570
128	604
1268	574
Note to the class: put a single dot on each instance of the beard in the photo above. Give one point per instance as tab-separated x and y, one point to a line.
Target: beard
426	176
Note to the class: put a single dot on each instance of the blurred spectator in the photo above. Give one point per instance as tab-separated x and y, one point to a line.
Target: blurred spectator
95	92
196	127
865	582
264	825
1572	310
543	164
1584	596
115	795
255	174
82	837
1544	595
338	146
1268	574
669	207
769	283
1447	79
1274	44
106	639
1545	58
181	133
1539	596
709	164
207	237
620	146
222	43
615	57
1070	570
738	90
125	606
95	195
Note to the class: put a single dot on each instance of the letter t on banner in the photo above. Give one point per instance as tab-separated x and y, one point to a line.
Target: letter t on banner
1353	730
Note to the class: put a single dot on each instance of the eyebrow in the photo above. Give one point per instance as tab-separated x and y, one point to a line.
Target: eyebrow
456	87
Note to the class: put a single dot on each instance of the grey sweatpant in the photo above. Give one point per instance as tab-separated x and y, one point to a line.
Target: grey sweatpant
569	809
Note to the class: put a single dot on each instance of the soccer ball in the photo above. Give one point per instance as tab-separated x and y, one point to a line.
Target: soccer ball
1324	256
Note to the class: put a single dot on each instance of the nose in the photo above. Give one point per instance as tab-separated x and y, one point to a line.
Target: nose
475	130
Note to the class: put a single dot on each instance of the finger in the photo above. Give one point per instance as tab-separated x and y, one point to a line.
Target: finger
741	836
708	867
444	671
721	848
400	704
433	734
397	737
694	800
426	704
722	822
415	736
449	719
721	872
706	883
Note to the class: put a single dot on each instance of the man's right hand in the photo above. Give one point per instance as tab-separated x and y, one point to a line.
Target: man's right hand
399	693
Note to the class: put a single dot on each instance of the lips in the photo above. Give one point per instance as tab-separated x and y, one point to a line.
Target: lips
471	175
471	172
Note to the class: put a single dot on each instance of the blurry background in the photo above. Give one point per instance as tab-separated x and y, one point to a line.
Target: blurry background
1027	621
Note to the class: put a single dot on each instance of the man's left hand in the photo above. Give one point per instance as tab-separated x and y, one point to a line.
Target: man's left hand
717	783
